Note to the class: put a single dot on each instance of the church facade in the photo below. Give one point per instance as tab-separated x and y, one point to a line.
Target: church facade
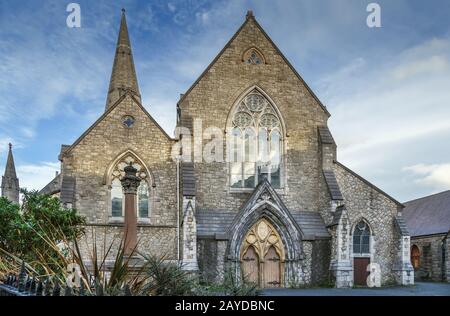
279	211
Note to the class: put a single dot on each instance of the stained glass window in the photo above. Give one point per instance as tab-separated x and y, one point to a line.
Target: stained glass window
361	238
117	195
255	143
128	121
142	196
252	57
116	198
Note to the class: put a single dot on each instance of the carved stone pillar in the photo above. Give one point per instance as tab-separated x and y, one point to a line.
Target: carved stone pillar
341	265
189	227
130	184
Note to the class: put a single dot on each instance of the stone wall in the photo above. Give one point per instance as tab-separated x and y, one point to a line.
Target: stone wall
431	257
447	258
89	160
213	97
321	253
155	241
207	259
363	201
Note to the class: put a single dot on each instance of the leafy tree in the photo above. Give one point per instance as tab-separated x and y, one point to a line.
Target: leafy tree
29	232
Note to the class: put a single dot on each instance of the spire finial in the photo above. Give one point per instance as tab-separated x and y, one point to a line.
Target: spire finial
10	146
123	77
250	14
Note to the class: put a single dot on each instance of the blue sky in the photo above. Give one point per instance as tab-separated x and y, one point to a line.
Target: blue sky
388	89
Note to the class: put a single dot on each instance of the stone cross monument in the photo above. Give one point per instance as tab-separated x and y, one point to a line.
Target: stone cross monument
130	183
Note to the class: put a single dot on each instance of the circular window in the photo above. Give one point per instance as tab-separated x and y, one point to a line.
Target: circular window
128	121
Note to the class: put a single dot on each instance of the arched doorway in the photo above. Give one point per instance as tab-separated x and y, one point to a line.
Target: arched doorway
361	252
262	256
415	257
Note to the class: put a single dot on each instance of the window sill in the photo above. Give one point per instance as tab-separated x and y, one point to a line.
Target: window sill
116	220
361	255
145	221
121	220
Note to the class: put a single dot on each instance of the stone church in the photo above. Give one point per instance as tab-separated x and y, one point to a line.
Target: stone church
286	214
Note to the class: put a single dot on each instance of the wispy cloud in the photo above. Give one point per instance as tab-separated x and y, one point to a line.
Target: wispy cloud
36	176
436	176
387	89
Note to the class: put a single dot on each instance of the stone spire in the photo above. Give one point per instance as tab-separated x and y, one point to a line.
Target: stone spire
123	77
10	182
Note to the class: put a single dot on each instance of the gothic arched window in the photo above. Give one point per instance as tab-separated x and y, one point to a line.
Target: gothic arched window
116	198
361	238
255	143
253	57
143	192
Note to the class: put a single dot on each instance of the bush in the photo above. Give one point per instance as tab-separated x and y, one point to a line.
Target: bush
29	232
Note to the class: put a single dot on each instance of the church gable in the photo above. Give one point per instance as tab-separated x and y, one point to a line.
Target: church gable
251	58
125	120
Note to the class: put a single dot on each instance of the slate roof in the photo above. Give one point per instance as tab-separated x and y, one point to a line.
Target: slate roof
401	224
212	222
428	215
332	185
215	223
187	121
325	135
311	224
53	187
188	179
67	190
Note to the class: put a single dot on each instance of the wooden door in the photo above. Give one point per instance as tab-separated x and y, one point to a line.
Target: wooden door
250	266
360	271
272	269
415	257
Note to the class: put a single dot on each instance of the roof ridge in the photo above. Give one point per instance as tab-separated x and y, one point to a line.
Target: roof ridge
427	196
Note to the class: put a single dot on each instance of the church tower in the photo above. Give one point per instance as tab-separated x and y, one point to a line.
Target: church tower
123	76
10	182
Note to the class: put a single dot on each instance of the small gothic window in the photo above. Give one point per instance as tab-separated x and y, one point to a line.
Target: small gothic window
116	198
253	57
142	196
117	195
361	238
255	143
128	121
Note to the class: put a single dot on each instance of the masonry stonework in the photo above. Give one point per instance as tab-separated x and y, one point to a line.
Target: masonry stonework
302	227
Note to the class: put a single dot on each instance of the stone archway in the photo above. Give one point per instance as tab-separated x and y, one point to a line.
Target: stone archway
263	256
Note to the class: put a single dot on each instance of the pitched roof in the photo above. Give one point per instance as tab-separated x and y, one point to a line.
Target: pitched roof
214	223
428	215
123	76
188	179
402	226
251	19
53	186
325	135
333	186
67	190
